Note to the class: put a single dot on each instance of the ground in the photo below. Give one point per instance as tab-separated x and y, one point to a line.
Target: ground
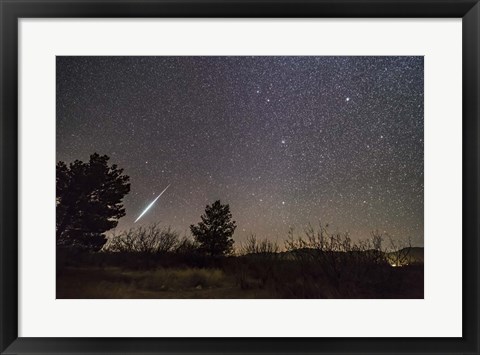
92	282
160	283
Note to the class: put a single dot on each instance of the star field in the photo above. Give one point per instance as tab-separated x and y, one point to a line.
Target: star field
286	141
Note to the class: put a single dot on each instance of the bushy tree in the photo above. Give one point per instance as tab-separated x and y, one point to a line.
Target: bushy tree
89	201
214	233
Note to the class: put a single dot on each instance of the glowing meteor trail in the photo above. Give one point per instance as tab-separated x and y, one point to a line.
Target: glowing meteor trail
151	204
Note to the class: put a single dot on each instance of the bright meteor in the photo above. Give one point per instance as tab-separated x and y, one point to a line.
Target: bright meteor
151	204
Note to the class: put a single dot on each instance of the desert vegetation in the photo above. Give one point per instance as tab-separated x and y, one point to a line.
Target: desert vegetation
155	261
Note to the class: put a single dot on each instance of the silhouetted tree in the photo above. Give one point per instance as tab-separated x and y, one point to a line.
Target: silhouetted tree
214	232
89	201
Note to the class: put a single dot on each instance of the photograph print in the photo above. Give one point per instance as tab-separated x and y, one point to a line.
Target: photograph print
239	177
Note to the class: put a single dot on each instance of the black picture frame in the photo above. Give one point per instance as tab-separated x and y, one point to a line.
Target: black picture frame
11	11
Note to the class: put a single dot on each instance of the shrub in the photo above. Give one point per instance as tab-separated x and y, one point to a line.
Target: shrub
253	246
149	240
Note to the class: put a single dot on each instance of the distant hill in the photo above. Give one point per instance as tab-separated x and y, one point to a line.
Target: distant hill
413	255
402	257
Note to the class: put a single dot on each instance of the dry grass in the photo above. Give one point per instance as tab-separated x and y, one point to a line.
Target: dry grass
159	283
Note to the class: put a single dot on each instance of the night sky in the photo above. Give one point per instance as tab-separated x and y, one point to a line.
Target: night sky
286	141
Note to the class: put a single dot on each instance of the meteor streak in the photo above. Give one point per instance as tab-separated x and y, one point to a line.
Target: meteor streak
151	204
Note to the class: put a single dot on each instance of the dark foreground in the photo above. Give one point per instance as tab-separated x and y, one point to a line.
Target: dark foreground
301	275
